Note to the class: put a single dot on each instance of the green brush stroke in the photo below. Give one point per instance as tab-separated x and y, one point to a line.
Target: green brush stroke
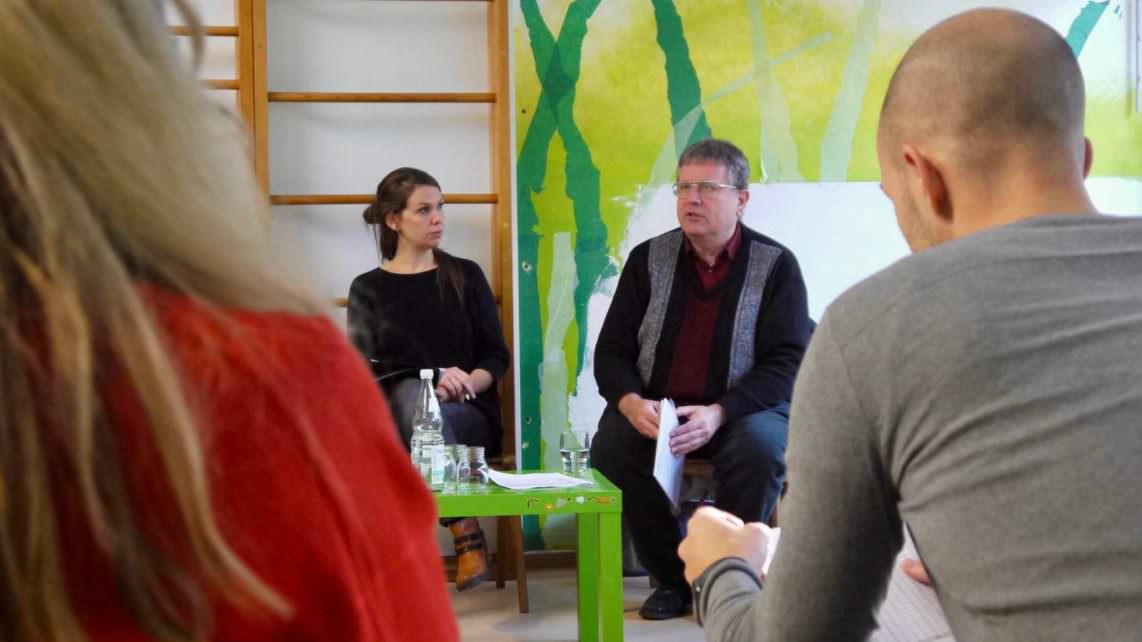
1085	23
557	65
683	91
531	168
560	312
558	82
664	164
837	145
591	260
778	149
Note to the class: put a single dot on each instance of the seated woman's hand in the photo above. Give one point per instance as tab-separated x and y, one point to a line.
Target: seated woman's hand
455	385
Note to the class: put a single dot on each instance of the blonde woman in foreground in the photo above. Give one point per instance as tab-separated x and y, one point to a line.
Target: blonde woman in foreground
188	449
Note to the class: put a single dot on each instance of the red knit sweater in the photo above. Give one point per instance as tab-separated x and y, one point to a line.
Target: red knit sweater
309	485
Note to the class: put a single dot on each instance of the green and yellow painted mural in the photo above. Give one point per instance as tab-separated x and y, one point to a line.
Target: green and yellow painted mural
608	92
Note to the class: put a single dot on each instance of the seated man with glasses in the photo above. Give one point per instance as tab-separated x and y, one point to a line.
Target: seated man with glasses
712	315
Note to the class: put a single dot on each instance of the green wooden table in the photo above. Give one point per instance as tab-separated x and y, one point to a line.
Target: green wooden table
597	508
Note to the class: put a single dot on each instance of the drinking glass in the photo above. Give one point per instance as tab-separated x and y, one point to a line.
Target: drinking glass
574	449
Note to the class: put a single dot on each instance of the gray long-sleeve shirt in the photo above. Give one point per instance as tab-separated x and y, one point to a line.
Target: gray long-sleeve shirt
989	393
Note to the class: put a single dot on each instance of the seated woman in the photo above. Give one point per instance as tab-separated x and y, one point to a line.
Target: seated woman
189	449
424	308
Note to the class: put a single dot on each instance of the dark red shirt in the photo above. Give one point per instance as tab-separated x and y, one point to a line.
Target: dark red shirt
712	275
686	383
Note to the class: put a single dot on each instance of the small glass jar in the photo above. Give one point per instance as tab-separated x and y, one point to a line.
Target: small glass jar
463	468
454	455
477	466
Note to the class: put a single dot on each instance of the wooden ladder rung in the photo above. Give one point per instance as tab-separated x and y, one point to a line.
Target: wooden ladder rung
380	97
214	83
365	199
225	32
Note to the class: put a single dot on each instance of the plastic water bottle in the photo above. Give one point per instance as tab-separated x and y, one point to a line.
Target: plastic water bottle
427	434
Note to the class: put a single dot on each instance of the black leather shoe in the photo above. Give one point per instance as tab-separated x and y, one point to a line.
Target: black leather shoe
665	603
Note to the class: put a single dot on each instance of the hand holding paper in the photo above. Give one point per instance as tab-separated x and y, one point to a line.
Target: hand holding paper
701	424
643	414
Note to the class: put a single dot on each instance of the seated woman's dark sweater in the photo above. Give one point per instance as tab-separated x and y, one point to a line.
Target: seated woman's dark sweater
404	322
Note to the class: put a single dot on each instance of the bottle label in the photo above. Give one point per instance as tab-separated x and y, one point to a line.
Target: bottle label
436	473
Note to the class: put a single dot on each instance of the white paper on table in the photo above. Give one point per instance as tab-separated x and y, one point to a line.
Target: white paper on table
667	466
528	481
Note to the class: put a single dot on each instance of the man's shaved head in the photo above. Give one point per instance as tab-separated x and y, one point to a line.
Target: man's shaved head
982	83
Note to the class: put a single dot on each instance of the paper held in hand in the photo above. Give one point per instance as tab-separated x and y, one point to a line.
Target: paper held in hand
667	466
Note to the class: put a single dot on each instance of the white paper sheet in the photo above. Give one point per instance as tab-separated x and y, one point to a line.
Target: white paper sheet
774	539
667	467
528	481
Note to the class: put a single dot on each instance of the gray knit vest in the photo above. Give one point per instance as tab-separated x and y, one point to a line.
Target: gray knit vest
663	259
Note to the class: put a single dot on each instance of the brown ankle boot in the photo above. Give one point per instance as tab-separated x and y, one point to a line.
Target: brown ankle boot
471	553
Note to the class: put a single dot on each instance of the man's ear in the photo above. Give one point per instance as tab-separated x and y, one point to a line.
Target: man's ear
743	199
926	175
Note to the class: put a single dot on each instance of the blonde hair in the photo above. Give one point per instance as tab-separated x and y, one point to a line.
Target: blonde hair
116	169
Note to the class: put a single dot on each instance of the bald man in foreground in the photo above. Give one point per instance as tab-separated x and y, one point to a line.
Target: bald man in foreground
987	390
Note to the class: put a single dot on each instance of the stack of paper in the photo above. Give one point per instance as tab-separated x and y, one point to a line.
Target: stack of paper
667	466
529	481
774	539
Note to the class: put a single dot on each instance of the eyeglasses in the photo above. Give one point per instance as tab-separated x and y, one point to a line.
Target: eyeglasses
705	188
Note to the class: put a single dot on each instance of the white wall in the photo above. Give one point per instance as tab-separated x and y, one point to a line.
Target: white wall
350	45
329	45
219	56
